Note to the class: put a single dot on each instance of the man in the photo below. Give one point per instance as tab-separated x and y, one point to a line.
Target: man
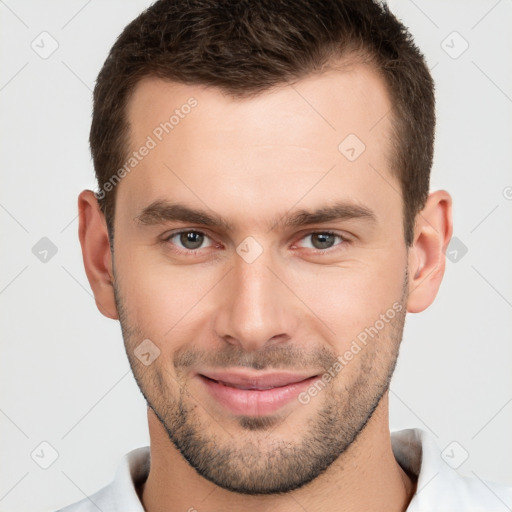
263	223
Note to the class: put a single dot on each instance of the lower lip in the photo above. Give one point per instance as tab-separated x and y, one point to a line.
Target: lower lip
255	402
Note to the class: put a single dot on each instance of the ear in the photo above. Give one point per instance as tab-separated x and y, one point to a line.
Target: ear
432	233
96	253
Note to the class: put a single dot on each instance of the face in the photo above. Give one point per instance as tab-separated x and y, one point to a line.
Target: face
266	265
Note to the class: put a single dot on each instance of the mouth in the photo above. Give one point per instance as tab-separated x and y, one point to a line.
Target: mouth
254	394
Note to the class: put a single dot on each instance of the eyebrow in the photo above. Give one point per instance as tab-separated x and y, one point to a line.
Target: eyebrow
162	211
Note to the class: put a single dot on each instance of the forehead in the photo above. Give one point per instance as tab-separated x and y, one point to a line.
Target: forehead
322	136
352	97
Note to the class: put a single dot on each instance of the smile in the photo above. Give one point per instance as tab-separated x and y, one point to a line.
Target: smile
249	394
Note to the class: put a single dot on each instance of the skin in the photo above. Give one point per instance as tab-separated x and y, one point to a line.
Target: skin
294	307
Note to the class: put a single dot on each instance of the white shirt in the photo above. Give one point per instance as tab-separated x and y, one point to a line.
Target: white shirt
440	488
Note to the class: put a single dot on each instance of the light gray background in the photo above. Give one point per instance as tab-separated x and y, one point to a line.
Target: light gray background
64	375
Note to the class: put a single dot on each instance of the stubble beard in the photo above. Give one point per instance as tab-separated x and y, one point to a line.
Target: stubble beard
250	456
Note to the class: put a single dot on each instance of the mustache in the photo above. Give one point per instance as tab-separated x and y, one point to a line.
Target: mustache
283	357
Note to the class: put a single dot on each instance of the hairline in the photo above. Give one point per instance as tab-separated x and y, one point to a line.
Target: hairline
346	60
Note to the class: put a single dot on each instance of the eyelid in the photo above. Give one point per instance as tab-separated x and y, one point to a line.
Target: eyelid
344	239
167	237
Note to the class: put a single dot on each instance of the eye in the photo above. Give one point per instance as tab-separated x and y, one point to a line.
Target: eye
189	240
322	240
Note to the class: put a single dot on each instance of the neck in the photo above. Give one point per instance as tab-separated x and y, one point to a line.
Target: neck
364	477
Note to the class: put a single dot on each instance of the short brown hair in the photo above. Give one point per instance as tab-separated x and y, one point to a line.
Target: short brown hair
244	47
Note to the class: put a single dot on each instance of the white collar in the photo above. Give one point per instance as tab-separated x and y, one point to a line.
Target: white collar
439	488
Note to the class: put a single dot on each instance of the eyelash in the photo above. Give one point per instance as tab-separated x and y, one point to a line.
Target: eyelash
193	252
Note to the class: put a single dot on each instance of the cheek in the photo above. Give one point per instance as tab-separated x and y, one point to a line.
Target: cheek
171	303
343	301
162	299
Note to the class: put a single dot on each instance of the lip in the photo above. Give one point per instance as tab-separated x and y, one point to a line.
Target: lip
264	393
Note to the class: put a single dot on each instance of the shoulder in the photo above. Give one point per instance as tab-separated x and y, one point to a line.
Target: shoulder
121	493
440	487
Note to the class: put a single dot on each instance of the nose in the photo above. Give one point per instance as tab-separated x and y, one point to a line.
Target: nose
256	309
